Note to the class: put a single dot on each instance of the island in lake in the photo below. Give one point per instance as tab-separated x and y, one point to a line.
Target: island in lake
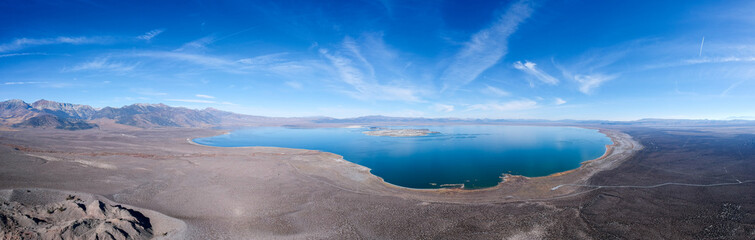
399	132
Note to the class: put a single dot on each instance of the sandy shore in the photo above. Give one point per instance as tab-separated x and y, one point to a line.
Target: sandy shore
263	192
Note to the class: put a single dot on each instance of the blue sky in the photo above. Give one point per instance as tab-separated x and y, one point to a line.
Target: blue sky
557	59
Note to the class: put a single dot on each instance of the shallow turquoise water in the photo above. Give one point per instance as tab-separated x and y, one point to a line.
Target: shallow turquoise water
475	156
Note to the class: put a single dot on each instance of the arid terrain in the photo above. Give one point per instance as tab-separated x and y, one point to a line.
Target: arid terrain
682	184
380	119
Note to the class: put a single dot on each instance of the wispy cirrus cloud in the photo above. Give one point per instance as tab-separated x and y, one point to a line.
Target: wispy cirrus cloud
23	83
21	54
275	63
559	101
199	44
531	69
490	90
515	105
151	34
589	69
43	84
148	92
351	46
485	48
191	100
294	84
588	83
263	59
696	61
356	71
280	64
101	64
595	67
720	60
199	101
22	43
203	60
731	87
438	107
204	96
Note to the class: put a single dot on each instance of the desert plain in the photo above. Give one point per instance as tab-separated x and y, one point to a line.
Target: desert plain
652	183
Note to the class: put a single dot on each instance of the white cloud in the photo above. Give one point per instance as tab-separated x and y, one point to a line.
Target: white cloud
204	96
720	60
294	84
495	91
485	48
199	59
151	34
101	64
190	100
353	49
443	107
148	92
57	85
20	54
732	86
704	60
271	63
531	69
365	85
21	43
559	101
588	83
515	105
23	83
264	59
199	44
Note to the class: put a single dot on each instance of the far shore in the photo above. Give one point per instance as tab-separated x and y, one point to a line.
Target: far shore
627	144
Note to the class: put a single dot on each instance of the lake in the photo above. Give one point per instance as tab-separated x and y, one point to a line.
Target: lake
475	156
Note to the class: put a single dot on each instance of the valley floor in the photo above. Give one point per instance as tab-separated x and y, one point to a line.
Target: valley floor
658	183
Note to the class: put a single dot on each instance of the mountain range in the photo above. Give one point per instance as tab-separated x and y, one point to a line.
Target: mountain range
50	114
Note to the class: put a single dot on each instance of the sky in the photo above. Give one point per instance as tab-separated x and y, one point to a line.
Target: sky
557	59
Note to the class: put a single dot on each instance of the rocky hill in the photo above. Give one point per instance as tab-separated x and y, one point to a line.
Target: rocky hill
15	111
72	218
35	213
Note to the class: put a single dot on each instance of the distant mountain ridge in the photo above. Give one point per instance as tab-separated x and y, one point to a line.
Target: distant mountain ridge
152	115
51	114
64	110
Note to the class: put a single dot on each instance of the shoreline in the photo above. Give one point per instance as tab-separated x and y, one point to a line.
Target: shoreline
611	134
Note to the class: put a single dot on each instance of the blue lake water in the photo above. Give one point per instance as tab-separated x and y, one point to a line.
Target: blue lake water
475	156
